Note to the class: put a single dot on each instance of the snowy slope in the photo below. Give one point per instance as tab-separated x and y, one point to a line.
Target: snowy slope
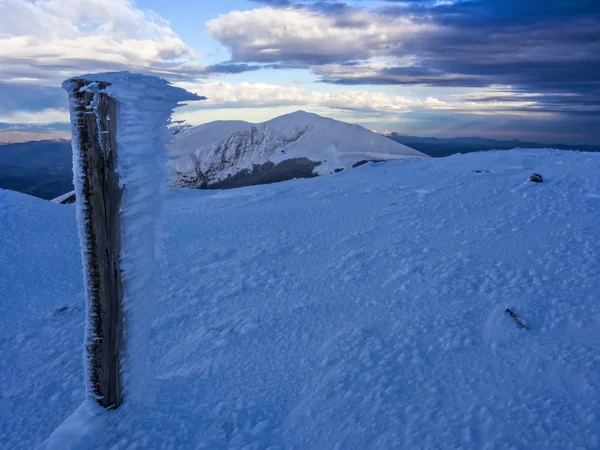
296	145
359	310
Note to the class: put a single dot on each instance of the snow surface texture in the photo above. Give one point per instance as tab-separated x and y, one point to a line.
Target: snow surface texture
208	154
144	108
359	310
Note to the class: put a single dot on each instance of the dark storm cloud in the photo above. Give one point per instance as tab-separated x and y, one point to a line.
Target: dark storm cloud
500	9
546	51
548	56
521	10
539	44
30	97
548	45
409	75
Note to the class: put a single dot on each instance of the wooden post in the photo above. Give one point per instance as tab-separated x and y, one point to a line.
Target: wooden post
118	229
94	129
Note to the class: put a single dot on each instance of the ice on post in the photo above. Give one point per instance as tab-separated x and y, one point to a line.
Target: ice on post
119	124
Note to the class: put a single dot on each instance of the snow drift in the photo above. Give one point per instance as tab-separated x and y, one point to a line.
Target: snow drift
226	154
359	310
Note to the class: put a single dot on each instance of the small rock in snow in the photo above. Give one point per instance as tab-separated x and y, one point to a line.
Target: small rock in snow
536	178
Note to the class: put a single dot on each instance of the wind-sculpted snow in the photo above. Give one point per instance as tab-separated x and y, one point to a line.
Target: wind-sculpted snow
144	110
211	153
365	309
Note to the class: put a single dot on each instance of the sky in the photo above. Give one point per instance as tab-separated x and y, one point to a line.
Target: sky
508	69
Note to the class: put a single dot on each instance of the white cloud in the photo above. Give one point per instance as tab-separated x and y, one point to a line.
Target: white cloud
506	107
49	115
288	34
49	40
258	95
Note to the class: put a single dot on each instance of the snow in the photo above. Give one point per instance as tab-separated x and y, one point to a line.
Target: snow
62	198
224	148
144	107
360	310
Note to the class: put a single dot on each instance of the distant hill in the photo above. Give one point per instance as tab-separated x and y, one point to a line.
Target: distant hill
39	168
439	147
234	153
44	168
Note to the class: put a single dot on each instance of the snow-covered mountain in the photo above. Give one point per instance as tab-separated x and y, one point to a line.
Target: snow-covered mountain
226	154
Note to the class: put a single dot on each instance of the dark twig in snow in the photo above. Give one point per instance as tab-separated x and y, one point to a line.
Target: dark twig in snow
516	318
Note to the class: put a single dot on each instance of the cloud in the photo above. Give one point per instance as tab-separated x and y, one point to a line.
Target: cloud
514	57
30	97
394	71
45	41
11	132
543	46
270	35
224	68
489	112
42	116
508	9
11	137
260	95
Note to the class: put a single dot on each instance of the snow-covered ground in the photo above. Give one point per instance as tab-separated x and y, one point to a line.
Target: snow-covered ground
359	310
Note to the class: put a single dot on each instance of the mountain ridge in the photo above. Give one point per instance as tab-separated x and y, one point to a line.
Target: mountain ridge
441	147
297	145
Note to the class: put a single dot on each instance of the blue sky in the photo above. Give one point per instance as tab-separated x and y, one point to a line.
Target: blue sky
527	69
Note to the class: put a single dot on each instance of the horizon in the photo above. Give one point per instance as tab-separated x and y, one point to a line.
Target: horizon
519	70
24	138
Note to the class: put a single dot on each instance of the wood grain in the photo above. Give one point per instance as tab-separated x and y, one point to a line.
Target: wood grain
96	132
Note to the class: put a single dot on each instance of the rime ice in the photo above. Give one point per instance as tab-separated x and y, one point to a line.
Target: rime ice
144	107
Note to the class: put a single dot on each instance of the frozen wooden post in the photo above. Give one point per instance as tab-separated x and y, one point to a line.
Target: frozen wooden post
119	131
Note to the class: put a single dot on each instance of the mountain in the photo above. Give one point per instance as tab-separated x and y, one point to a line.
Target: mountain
226	154
440	147
40	168
364	310
43	168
